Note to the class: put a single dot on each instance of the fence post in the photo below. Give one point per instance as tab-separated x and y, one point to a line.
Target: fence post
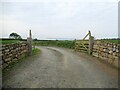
29	41
91	43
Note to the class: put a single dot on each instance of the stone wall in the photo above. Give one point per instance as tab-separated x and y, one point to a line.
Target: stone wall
12	52
107	51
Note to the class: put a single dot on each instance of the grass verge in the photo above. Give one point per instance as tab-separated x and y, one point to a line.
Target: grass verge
35	51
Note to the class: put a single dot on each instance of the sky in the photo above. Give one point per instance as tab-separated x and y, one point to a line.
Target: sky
59	19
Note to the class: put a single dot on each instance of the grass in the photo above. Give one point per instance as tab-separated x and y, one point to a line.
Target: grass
8	41
117	41
67	43
35	51
60	43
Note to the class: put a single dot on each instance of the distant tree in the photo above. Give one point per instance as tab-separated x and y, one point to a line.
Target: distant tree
15	36
35	39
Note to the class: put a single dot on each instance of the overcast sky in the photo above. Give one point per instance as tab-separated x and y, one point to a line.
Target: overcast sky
70	19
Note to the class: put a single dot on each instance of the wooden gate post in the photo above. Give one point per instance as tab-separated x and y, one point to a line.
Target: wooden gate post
29	41
91	43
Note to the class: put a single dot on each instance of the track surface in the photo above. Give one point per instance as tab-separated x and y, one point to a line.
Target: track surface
60	68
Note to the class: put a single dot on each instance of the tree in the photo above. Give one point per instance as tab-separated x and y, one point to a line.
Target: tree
15	36
35	39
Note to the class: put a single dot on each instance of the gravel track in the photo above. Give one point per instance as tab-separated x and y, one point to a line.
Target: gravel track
60	68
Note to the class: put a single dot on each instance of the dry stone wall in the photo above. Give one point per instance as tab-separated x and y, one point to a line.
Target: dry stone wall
107	51
12	52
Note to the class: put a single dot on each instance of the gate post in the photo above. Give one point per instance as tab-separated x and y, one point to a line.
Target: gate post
29	41
91	43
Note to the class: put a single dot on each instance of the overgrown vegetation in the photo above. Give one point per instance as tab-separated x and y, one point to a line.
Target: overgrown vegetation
35	51
60	43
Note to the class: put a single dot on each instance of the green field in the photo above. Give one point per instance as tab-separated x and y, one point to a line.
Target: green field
8	41
59	43
112	40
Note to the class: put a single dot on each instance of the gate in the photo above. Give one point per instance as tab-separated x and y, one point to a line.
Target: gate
85	45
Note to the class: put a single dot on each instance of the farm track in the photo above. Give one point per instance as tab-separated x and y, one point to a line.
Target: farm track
60	68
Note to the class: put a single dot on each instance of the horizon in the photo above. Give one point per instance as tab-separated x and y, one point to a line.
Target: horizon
61	39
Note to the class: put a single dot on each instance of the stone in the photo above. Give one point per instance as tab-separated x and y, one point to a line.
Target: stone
110	52
7	50
7	59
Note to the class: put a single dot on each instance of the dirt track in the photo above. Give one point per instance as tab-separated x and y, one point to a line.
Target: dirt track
61	68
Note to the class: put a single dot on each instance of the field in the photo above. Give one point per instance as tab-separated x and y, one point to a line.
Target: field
66	43
9	41
59	43
117	41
